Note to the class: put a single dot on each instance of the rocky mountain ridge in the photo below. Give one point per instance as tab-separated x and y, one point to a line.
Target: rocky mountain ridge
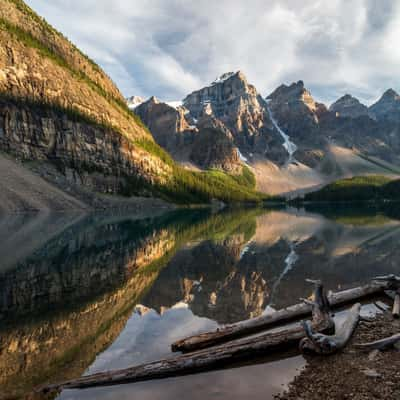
288	131
348	106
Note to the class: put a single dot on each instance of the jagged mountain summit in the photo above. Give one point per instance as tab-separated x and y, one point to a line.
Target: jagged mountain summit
289	140
296	110
236	113
238	105
387	107
349	106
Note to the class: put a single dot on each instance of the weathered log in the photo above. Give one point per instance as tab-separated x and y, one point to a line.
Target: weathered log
392	281
319	343
381	344
396	305
206	359
254	325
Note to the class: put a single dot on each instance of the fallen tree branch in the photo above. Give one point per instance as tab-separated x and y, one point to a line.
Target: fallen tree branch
324	344
207	359
382	344
254	325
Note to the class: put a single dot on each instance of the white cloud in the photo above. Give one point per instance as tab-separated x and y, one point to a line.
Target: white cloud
171	47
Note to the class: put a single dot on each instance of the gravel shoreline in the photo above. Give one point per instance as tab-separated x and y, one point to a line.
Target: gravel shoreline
352	373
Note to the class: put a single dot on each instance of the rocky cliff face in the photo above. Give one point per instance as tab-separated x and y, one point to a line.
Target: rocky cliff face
58	106
238	105
213	146
95	157
168	124
204	140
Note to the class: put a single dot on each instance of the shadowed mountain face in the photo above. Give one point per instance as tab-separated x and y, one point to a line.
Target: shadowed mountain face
88	282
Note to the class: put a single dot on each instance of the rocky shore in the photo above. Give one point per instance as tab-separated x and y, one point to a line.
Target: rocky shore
352	373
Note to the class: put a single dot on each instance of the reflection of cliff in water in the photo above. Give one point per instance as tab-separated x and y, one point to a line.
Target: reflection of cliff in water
71	293
68	296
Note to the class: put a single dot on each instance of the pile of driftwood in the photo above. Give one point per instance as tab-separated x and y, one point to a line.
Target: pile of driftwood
250	338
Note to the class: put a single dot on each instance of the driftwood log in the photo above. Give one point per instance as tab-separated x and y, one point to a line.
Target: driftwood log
382	344
208	359
396	305
254	325
393	283
316	342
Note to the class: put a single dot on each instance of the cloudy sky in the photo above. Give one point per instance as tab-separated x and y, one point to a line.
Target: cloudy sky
168	48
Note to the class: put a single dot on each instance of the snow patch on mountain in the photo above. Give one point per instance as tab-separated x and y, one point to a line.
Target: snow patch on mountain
174	104
241	156
223	77
287	143
134	102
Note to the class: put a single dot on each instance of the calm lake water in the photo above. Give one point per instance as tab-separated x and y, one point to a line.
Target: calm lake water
83	294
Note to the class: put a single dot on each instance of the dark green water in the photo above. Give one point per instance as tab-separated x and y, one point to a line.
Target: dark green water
82	294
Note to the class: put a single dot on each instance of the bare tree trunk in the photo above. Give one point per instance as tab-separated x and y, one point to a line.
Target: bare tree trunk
254	325
324	344
206	359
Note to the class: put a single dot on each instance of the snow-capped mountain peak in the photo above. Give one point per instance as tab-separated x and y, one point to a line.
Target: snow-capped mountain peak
134	101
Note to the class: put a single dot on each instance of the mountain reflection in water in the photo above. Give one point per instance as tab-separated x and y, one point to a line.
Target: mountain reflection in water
83	294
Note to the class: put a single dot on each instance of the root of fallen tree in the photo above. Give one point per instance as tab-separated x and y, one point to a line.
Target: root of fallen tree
319	343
